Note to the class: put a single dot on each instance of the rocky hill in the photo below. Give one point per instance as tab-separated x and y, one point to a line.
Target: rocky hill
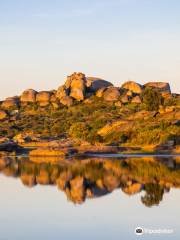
90	110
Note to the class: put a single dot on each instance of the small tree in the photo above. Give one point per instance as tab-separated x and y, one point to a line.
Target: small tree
152	99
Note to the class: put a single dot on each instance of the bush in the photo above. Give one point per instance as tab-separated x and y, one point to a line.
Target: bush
79	130
152	99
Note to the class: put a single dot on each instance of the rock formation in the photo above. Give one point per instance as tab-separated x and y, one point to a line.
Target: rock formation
28	96
132	86
3	115
161	86
78	87
111	94
95	84
11	102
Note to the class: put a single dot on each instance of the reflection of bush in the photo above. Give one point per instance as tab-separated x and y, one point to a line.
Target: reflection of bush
154	194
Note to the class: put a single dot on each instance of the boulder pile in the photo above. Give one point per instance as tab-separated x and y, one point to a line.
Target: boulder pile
78	87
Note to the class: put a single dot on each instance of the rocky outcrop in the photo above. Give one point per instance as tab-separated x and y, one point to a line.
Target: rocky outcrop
76	84
121	125
136	99
67	101
100	92
26	137
43	96
62	92
79	87
94	84
125	99
111	94
28	96
132	86
11	102
48	151
3	115
163	87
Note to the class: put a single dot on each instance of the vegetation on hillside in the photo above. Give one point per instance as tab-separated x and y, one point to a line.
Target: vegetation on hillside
83	120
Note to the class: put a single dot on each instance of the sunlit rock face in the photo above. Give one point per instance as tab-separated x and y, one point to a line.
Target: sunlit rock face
111	94
132	86
161	86
28	95
11	102
76	84
67	101
3	115
62	92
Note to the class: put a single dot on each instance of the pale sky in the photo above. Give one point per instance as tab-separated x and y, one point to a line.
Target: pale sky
43	41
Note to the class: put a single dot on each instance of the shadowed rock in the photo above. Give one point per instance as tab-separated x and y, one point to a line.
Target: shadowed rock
95	84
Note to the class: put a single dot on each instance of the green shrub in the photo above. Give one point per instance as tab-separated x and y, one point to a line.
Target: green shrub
152	99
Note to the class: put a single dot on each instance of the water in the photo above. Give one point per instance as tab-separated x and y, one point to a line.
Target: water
104	201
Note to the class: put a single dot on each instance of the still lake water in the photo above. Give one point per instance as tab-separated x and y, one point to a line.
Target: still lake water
105	201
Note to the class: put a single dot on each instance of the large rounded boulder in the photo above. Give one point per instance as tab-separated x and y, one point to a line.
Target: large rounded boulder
67	101
132	86
43	96
77	86
94	84
62	92
163	87
28	95
3	115
111	94
11	102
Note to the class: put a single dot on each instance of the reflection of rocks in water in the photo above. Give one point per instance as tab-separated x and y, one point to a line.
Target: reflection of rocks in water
132	188
111	182
63	180
4	161
28	180
43	177
76	190
95	177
